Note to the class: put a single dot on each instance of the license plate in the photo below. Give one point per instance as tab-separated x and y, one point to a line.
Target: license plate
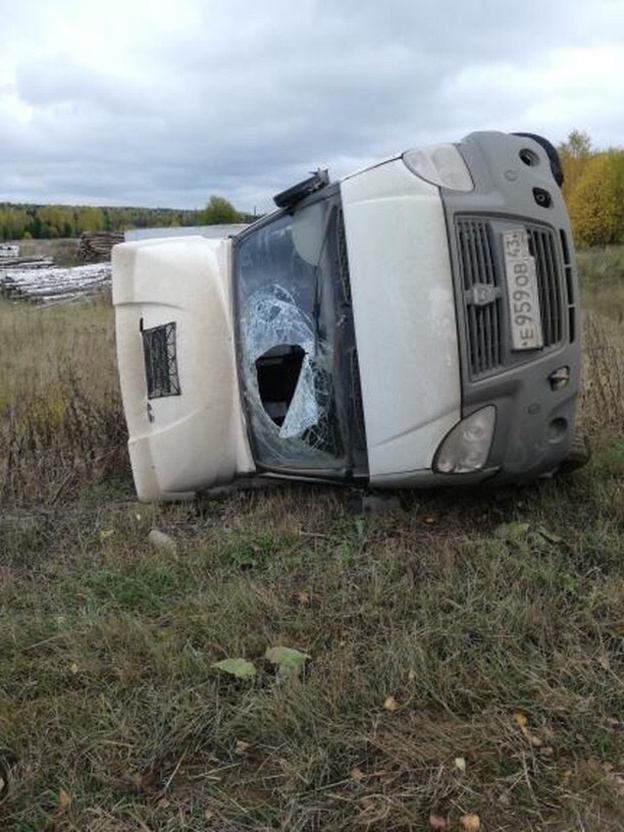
524	308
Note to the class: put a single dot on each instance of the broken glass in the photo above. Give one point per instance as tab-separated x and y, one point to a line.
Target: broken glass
286	326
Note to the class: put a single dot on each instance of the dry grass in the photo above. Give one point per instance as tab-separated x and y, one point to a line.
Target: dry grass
602	406
62	424
109	693
602	273
603	396
493	619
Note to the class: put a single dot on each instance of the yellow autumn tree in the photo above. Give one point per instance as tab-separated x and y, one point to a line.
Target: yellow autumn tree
596	201
574	153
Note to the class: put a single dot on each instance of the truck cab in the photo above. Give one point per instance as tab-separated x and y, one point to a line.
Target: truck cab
414	324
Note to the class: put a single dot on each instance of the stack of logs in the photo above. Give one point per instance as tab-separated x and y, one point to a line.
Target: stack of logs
47	284
95	246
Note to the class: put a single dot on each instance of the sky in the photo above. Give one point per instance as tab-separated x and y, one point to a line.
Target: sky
167	102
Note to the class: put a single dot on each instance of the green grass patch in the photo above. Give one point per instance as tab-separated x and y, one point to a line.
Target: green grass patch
508	604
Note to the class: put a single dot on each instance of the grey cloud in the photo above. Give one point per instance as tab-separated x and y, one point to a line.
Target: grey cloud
258	94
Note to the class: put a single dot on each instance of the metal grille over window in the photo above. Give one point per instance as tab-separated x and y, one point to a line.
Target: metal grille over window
483	296
161	366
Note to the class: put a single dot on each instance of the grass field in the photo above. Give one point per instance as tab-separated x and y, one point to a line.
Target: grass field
465	651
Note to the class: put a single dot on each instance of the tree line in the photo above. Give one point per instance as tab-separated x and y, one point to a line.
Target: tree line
25	221
594	191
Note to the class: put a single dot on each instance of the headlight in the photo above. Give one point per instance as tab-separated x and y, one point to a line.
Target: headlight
466	448
441	165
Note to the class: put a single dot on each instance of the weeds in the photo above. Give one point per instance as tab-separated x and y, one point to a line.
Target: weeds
601	266
603	404
62	424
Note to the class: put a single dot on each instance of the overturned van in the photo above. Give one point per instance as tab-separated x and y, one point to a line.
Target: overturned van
414	324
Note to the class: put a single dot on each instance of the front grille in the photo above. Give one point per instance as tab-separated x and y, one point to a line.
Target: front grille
542	247
482	293
483	283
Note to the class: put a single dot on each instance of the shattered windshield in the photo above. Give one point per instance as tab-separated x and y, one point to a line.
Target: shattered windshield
287	336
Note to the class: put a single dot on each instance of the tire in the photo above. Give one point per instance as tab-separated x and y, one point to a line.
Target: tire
579	454
553	157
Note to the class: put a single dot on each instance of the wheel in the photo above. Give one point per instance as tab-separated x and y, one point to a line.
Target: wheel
579	454
551	152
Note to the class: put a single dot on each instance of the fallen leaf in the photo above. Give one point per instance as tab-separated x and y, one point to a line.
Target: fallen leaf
357	774
241	747
618	784
603	661
163	803
460	763
470	822
437	823
511	532
74	669
240	668
391	704
520	719
522	722
64	801
289	661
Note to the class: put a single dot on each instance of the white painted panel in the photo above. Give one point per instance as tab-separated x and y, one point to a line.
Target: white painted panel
197	439
404	311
